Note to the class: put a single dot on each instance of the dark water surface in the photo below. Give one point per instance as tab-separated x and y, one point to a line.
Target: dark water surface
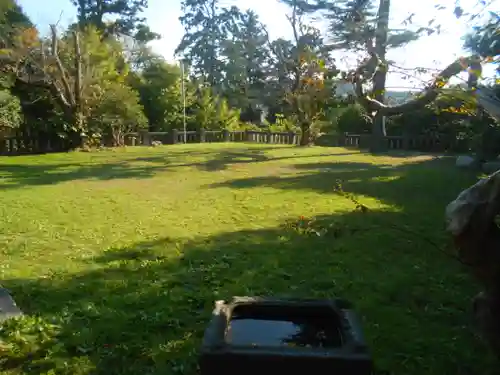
279	328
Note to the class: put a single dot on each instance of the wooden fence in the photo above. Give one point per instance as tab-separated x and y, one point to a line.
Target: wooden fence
19	145
428	143
424	143
24	145
202	136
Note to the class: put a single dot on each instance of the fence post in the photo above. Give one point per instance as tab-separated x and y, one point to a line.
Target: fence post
341	140
225	135
406	141
145	137
364	141
269	136
203	135
291	138
175	136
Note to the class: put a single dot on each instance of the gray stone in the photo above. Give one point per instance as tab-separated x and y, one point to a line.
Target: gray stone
8	308
460	211
491	167
465	161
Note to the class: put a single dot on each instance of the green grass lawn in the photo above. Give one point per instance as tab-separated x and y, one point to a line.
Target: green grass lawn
118	256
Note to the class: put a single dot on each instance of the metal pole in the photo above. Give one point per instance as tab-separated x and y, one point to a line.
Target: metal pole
183	102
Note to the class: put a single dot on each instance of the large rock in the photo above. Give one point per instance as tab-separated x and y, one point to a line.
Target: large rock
472	222
8	308
465	161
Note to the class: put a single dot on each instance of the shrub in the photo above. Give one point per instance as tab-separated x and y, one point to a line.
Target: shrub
354	119
116	112
283	124
227	117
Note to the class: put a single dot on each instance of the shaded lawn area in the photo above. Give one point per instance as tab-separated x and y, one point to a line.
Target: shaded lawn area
118	256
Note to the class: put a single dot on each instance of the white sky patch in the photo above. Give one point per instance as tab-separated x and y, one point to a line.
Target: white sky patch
435	51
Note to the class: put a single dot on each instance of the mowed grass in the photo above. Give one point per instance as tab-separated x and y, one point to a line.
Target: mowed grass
117	256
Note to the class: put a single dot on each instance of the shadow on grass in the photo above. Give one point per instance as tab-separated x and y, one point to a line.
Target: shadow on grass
142	309
221	160
28	174
414	187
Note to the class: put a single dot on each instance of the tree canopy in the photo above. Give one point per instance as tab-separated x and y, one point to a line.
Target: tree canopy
126	14
100	78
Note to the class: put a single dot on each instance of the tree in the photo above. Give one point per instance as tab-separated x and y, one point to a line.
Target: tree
39	113
138	55
199	45
373	36
10	108
204	111
159	87
72	68
115	111
354	24
206	27
12	19
126	15
361	25
227	117
484	40
304	65
245	56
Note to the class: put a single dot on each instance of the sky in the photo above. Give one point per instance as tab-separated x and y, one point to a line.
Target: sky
430	52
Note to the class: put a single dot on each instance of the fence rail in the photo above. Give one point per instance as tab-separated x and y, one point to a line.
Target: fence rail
426	143
18	145
202	136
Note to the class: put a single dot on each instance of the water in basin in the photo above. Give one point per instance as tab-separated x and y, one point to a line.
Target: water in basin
279	327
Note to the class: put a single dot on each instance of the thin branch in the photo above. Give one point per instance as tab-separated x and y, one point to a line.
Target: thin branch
294	22
418	68
78	66
59	20
59	95
268	38
410	76
50	86
55	54
366	69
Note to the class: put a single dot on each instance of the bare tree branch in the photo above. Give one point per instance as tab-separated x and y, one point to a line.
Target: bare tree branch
269	43
64	79
296	26
426	97
78	66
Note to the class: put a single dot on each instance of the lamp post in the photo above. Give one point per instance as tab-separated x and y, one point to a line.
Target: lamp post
183	101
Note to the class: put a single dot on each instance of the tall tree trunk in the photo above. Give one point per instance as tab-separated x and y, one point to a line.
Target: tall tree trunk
305	137
378	127
79	124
